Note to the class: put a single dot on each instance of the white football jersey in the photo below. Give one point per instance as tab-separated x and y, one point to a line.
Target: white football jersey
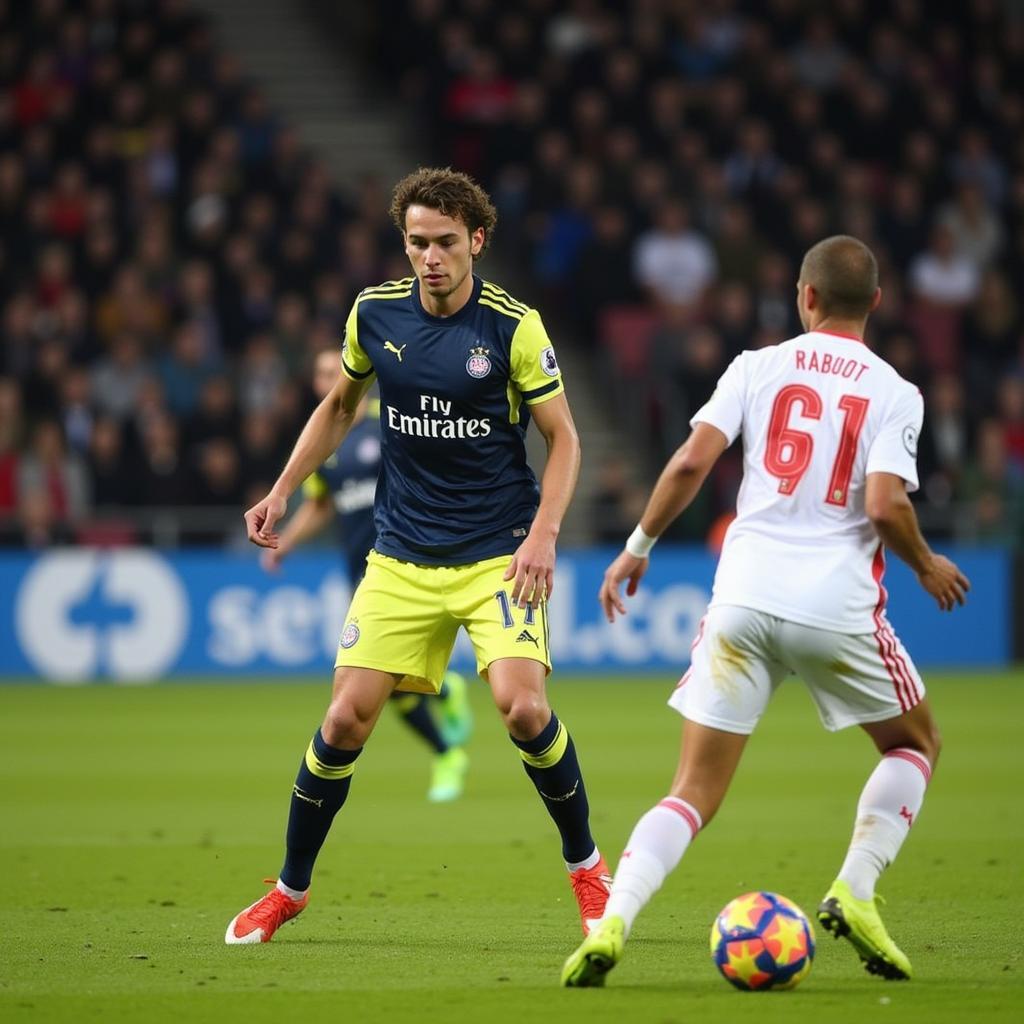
817	415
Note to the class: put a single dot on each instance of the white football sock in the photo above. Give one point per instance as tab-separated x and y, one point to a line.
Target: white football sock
292	894
656	846
590	862
888	807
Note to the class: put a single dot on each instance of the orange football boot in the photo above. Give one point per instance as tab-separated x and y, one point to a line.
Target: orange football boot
591	887
257	923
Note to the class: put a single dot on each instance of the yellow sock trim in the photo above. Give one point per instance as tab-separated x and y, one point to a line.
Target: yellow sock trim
551	754
327	771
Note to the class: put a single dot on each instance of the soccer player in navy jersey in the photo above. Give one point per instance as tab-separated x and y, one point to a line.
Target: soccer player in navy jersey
465	537
342	491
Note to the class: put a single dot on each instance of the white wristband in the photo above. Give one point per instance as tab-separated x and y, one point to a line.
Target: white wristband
639	544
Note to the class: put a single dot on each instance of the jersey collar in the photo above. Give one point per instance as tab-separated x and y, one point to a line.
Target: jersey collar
446	321
838	334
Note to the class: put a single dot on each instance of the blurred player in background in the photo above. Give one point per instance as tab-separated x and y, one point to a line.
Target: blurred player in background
830	440
342	491
464	538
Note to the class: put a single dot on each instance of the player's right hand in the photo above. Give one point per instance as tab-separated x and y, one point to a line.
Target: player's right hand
625	567
945	582
260	520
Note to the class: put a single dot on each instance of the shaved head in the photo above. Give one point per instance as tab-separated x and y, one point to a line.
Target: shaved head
844	275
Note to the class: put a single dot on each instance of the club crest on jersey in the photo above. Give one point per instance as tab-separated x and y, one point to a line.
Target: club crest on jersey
478	365
349	635
548	363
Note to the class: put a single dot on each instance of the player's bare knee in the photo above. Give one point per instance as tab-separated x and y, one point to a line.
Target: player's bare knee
344	727
526	715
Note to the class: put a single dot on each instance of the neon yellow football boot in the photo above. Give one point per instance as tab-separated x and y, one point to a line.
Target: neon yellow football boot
600	952
858	921
448	776
456	714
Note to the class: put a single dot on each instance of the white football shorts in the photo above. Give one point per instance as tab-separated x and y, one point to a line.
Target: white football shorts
740	656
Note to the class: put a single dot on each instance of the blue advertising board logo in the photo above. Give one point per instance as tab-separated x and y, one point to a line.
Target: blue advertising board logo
133	615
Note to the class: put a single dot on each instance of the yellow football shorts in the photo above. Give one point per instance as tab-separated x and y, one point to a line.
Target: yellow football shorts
404	619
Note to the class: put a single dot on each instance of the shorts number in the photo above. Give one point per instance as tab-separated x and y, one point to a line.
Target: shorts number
506	610
788	451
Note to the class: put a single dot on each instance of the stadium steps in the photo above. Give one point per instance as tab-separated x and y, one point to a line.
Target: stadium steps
356	129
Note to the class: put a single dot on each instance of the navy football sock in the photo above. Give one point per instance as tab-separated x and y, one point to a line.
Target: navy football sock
415	711
550	761
321	787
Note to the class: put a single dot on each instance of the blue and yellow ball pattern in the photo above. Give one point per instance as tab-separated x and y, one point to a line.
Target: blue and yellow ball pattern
762	940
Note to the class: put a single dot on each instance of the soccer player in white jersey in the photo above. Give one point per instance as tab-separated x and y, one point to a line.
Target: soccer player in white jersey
829	438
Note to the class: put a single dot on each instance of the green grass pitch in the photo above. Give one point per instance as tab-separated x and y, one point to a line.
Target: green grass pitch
134	822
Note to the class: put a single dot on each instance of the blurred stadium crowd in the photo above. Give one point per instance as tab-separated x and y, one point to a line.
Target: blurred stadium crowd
171	258
661	166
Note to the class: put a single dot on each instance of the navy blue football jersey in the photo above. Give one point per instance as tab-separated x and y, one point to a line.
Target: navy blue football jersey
455	394
349	477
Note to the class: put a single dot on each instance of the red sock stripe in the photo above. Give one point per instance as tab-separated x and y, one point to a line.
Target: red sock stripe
919	761
684	810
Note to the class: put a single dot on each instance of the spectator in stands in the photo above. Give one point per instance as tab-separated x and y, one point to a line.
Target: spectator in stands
993	496
976	232
164	479
49	469
818	58
992	339
215	415
219	479
672	261
10	445
941	276
114	477
946	439
119	376
76	414
40	524
1010	405
261	375
184	370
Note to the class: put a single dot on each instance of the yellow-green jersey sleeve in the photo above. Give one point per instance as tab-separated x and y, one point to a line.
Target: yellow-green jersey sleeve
314	487
354	361
535	370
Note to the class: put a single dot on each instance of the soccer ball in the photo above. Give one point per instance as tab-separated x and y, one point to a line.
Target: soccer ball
762	940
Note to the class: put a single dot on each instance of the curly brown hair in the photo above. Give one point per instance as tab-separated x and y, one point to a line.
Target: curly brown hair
449	192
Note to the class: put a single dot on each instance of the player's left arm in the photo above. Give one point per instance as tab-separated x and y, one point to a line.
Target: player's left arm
533	564
680	481
535	373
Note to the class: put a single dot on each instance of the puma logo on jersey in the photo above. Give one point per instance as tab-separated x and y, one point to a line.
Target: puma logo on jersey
390	347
